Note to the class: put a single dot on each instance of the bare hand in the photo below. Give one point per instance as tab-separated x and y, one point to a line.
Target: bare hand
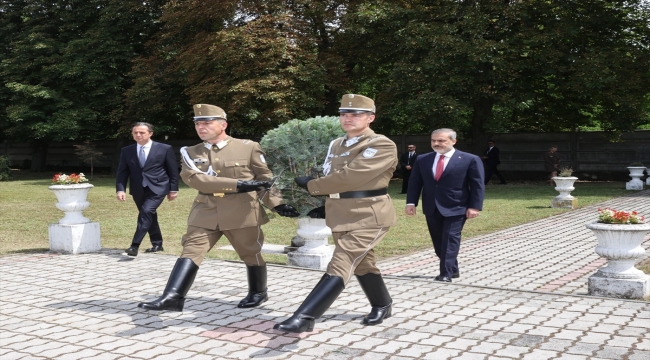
409	210
408	167
471	213
121	195
172	195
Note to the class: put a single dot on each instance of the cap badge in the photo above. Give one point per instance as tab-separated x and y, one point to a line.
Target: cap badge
351	96
198	106
200	113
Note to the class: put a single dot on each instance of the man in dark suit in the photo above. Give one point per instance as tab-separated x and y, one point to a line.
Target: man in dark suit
153	173
406	161
452	187
492	160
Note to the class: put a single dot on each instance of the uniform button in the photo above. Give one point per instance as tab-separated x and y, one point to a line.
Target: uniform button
374	199
237	164
218	171
217	159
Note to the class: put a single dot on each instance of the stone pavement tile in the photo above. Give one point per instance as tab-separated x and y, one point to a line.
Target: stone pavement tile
15	355
103	356
317	350
537	354
470	356
391	347
571	357
486	347
633	331
610	352
595	338
442	353
81	354
639	355
343	353
644	344
31	342
543	331
343	339
55	351
414	336
368	343
583	349
373	356
568	334
512	351
436	340
415	351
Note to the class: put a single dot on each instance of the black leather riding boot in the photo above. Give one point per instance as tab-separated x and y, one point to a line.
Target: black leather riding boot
317	302
179	283
377	293
256	287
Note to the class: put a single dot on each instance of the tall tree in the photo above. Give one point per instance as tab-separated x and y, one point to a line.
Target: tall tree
264	62
542	65
64	69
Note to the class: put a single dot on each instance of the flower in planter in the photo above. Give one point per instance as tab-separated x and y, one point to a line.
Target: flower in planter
565	172
63	179
611	216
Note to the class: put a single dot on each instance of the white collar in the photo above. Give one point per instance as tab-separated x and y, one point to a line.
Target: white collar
147	145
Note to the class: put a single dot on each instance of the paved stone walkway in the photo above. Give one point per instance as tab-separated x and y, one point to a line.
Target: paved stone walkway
518	298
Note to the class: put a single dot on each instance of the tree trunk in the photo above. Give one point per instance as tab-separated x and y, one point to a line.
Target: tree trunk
482	113
119	144
39	155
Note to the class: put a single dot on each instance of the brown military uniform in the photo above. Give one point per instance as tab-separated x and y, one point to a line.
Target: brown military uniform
218	209
358	224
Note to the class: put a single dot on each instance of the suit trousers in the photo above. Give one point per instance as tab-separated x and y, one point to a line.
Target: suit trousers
492	169
147	204
445	233
406	175
247	242
354	254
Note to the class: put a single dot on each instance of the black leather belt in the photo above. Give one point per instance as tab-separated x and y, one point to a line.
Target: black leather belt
362	194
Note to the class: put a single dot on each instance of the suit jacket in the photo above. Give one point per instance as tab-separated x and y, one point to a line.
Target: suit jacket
225	208
160	171
366	165
405	160
492	156
460	187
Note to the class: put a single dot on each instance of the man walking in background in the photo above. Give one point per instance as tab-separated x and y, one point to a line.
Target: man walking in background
406	161
152	172
452	187
492	160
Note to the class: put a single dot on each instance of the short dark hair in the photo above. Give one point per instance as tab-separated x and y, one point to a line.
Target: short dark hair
141	123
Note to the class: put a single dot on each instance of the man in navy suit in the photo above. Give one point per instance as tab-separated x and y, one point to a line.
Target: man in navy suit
153	173
452	187
492	160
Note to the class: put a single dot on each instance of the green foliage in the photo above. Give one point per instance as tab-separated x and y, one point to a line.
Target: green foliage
299	148
5	168
565	172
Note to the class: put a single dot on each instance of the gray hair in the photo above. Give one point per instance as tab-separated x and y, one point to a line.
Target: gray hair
452	133
149	126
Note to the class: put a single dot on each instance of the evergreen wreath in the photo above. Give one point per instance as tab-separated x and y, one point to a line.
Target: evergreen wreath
298	148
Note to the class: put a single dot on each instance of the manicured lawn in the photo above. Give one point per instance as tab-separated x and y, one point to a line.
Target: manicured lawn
27	207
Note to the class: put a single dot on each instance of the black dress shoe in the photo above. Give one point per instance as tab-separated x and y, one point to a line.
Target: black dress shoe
442	278
155	248
455	275
132	251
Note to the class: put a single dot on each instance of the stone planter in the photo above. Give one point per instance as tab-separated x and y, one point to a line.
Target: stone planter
564	185
621	245
636	172
74	233
647	179
315	253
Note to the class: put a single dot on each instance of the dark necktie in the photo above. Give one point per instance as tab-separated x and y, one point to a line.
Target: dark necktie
141	156
440	167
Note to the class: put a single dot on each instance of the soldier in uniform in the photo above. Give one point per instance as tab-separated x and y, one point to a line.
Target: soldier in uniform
231	176
357	170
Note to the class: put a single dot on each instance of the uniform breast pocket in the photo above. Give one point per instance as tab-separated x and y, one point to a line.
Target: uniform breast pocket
234	168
